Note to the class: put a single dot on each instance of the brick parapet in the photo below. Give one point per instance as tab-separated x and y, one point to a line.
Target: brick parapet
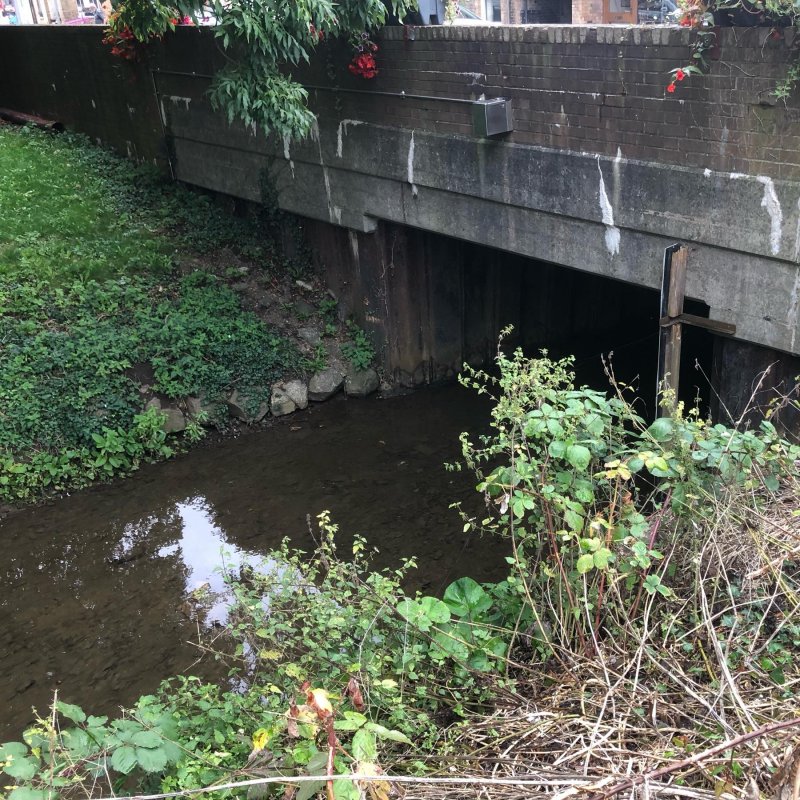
595	89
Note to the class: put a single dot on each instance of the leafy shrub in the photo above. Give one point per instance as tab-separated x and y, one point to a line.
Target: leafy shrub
582	486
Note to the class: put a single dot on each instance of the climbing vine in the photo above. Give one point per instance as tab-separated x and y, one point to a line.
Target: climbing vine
262	40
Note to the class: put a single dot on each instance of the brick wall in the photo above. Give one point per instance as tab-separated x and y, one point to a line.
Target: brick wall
591	89
587	89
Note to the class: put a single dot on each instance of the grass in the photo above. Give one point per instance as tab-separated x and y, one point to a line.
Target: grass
91	300
59	218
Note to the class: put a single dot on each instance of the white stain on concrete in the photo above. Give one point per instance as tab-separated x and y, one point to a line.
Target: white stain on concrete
353	236
54	86
410	166
325	176
342	131
476	75
94	105
770	202
706	173
287	154
796	254
175	100
735	176
612	232
723	140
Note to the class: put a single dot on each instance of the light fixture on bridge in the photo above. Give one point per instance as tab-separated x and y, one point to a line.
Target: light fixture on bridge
491	117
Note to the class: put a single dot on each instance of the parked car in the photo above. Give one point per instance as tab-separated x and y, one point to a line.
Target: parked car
657	12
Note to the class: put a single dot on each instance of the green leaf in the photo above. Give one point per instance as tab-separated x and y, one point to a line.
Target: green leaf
22	768
661	429
467	598
146	739
15	749
602	557
318	763
352	721
585	563
75	713
386	733
365	747
151	759
308	790
557	448
424	613
345	790
579	456
24	793
123	759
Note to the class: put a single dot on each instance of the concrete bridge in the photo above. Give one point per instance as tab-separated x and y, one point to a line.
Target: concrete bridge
601	171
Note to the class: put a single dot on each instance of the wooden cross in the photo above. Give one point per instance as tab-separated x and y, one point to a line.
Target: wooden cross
671	321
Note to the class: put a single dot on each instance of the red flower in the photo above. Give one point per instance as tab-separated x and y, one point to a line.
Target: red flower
363	64
671	88
173	21
680	75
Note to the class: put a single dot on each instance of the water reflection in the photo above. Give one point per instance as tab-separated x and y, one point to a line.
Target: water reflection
204	556
93	587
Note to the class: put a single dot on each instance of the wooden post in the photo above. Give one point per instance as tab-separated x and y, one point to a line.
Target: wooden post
673	288
672	320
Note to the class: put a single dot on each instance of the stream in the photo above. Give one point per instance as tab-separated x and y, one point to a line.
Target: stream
93	587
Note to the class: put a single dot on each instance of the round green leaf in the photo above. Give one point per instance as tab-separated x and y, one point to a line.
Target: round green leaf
661	429
16	749
467	598
146	739
579	456
23	769
24	793
585	563
75	713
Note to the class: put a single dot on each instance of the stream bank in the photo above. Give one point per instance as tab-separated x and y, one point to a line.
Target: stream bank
94	587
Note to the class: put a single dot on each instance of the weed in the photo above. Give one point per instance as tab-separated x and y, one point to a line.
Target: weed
358	350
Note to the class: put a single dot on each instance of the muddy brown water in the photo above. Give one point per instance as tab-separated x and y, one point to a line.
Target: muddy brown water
93	586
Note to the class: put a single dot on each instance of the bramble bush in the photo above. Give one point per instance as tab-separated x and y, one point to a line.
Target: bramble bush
593	498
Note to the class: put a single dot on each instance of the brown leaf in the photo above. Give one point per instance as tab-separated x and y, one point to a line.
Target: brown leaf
353	691
376	790
318	700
